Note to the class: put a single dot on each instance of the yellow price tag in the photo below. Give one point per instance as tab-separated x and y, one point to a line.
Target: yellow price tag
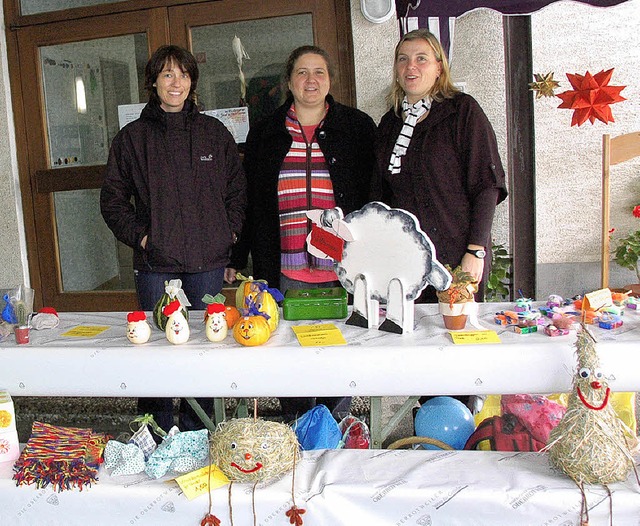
320	335
475	337
86	331
196	483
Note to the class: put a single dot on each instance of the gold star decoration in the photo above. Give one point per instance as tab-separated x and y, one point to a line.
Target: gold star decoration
544	85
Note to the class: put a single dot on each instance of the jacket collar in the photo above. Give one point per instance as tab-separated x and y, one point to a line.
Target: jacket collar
153	112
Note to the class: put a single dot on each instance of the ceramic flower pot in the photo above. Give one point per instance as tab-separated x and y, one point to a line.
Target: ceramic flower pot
22	335
453	315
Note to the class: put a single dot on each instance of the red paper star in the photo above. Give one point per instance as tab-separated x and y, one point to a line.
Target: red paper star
591	97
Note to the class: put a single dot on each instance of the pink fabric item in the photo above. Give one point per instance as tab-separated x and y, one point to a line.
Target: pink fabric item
536	412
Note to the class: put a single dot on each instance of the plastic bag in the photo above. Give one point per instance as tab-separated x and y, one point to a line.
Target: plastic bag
355	433
317	429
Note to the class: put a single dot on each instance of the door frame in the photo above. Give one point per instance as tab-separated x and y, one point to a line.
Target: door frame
332	31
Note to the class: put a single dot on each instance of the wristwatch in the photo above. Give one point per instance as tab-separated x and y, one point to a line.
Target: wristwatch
480	254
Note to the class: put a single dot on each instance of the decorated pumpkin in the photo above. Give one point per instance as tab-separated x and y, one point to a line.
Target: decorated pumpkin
248	288
266	303
252	330
216	324
138	330
173	290
177	328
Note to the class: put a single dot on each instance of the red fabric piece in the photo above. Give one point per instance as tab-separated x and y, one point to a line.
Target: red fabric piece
329	243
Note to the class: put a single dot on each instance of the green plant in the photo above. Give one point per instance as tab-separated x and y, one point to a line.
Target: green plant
627	251
499	280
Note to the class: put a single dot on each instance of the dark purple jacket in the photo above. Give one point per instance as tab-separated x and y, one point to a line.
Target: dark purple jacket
188	189
346	140
451	177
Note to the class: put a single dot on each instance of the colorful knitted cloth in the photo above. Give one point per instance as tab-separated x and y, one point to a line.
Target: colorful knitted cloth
65	457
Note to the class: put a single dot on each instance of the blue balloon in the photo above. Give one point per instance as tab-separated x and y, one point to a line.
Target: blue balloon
445	419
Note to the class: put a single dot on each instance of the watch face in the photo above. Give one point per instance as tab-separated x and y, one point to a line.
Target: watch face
480	253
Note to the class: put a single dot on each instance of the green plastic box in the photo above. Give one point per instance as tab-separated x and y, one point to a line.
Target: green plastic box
315	304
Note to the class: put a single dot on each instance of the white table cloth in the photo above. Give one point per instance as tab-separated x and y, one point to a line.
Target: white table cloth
344	488
373	363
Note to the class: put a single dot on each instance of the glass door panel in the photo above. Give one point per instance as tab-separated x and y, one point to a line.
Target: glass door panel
84	84
32	7
242	63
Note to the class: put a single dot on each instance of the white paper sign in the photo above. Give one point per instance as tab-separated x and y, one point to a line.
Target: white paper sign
235	119
128	113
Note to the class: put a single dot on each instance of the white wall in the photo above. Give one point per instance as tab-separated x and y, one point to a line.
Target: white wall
567	37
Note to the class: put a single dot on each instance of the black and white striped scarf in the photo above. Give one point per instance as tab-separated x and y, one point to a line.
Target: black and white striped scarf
413	113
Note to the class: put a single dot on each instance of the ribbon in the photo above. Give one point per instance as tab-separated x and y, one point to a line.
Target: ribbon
174	289
148	420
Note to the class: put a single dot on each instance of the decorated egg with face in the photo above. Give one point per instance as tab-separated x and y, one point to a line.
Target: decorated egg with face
216	324
138	329
254	450
177	329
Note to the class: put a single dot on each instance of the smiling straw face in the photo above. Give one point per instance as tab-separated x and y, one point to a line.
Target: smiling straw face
250	450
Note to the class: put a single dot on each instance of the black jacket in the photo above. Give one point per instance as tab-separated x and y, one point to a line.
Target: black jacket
347	142
184	174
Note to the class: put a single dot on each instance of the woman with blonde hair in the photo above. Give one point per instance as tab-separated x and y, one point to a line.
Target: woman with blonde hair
437	157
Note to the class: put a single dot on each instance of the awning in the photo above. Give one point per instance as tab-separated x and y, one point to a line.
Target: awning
427	8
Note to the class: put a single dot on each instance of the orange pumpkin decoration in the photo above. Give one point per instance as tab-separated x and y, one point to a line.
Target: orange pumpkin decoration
251	330
233	315
266	303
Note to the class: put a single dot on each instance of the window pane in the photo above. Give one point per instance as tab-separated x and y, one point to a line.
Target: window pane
267	44
31	7
84	82
90	256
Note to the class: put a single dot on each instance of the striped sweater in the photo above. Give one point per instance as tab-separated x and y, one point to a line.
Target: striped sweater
304	184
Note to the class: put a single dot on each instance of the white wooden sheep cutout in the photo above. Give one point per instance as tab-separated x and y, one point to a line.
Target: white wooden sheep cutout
386	257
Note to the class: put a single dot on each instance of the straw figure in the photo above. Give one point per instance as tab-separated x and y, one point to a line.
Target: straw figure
257	451
591	444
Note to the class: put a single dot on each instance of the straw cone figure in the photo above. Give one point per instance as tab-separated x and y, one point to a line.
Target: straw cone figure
590	443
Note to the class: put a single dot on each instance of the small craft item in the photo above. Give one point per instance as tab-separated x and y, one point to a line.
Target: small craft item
267	302
143	438
46	318
181	452
591	97
65	457
9	445
177	328
371	270
255	451
172	291
248	288
591	445
216	322
123	459
138	329
544	85
253	329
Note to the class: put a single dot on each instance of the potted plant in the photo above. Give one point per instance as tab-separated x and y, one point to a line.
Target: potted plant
452	301
22	313
627	253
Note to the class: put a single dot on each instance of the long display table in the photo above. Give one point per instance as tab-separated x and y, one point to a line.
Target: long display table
372	363
344	487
